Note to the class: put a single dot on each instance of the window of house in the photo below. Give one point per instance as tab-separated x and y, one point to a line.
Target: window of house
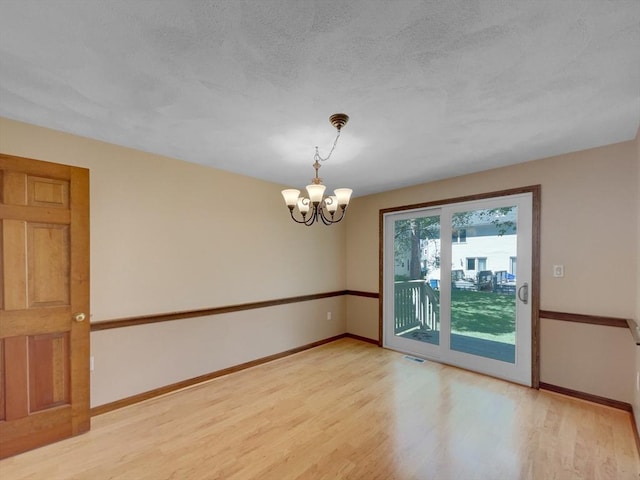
482	263
476	263
459	235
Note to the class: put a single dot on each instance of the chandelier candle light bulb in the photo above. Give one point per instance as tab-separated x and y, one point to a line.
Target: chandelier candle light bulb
322	208
316	193
291	197
303	205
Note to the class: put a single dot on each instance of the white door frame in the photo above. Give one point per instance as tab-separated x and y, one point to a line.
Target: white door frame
527	349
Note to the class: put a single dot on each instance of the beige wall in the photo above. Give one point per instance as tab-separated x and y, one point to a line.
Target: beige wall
166	353
589	224
166	236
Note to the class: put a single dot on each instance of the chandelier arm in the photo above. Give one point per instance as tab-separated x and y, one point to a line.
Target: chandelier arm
310	220
325	220
294	218
304	219
342	213
331	220
313	218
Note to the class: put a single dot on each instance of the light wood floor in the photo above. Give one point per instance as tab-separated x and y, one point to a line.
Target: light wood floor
346	410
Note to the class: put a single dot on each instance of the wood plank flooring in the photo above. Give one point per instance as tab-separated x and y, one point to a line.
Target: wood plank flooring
346	410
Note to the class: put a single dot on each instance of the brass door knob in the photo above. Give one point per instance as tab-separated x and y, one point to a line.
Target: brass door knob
79	317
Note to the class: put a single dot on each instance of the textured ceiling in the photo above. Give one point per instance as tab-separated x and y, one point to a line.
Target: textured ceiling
434	88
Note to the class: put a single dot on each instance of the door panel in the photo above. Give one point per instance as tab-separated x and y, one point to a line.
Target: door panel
45	280
47	192
48	264
14	257
16	382
50	377
490	329
483	302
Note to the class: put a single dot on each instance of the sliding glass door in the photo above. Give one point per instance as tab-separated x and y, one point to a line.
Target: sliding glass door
451	289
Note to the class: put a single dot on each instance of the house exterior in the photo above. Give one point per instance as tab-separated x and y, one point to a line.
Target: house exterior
487	243
484	242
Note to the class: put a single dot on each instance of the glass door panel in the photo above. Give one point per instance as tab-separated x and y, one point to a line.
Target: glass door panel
483	293
415	241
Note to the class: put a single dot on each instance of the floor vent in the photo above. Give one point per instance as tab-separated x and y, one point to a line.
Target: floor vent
414	359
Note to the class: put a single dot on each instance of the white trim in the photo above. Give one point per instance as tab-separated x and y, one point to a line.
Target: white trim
520	371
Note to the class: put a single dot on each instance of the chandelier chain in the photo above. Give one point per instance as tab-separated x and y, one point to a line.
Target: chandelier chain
317	155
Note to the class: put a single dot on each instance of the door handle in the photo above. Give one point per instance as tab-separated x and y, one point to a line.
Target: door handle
523	293
79	317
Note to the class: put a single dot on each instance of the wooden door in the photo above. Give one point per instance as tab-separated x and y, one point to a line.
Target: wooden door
44	295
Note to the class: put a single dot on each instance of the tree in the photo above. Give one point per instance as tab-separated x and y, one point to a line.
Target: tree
408	236
500	217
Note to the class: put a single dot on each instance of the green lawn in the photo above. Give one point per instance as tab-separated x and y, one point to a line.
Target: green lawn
483	315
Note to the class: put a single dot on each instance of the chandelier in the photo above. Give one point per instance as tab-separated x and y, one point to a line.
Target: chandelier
316	206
